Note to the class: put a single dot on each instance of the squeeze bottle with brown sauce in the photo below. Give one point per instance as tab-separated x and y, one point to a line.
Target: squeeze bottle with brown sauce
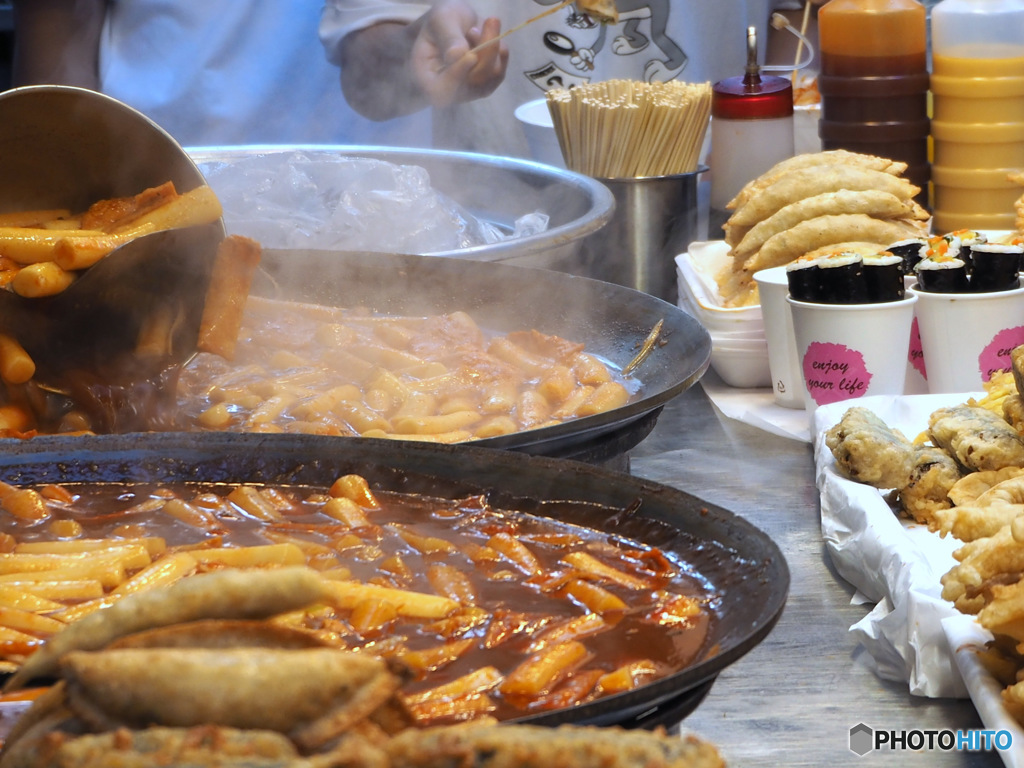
978	112
874	82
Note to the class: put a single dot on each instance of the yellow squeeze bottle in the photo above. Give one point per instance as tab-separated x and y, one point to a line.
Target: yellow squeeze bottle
977	87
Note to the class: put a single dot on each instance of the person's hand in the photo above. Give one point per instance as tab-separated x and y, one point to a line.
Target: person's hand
441	62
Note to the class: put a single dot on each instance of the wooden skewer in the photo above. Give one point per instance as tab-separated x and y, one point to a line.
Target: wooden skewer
800	42
645	348
507	32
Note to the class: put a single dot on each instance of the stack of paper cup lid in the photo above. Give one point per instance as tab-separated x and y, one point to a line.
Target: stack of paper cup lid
739	351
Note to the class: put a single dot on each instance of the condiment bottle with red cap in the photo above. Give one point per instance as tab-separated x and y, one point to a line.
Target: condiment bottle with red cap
874	82
751	130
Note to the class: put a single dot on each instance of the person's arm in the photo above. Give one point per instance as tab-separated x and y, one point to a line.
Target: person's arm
391	69
57	42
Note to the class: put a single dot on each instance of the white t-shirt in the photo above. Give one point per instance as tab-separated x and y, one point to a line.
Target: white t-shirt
223	72
655	40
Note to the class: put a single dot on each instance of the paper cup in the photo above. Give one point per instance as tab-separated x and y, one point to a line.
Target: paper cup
539	129
967	337
848	351
787	378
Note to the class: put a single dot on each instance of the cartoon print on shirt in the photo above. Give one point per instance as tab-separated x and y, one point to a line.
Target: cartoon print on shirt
667	59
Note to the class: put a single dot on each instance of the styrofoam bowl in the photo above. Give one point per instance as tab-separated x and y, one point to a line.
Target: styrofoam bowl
741	337
740	345
746	332
695	272
744	369
723	318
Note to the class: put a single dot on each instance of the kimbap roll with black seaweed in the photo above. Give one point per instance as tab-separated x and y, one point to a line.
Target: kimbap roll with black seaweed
942	273
883	276
941	245
909	251
995	267
803	279
968	239
830	278
842	278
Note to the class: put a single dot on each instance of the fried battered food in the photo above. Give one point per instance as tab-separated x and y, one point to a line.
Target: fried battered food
117	212
815	201
228	594
820	232
1013	700
978	438
221	633
194	747
1004	613
539	747
1004	493
1017	177
873	203
601	10
867	450
807	182
933	475
996	559
1017	365
1013	411
809	160
505	746
284	708
991	510
969	488
317	693
972	522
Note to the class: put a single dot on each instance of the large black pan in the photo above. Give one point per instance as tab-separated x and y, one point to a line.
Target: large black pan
742	564
611	320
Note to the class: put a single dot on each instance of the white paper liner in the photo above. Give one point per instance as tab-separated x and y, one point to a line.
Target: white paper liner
756	407
912	634
964	637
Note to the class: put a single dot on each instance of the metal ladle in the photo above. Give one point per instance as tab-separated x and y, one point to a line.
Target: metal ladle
142	301
67	147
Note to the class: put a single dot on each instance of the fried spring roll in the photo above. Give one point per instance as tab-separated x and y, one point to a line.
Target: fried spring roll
224	594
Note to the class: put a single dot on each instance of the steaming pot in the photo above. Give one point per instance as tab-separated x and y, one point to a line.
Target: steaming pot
497	190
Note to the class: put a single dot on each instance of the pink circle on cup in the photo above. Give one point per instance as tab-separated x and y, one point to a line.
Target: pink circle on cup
995	357
834	372
916	353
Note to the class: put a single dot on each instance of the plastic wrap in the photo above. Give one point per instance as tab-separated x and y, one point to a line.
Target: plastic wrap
290	199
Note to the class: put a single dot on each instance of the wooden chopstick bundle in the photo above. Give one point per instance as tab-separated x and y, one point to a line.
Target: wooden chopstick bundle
629	129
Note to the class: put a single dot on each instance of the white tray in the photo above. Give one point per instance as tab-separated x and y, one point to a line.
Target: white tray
912	634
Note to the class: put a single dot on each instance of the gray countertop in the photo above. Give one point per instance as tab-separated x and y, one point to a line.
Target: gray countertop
794	698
